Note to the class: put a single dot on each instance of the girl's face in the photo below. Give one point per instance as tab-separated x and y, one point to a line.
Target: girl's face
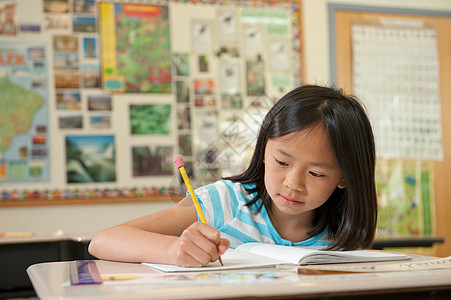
301	171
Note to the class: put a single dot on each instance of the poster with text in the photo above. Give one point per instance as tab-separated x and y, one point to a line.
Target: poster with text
135	45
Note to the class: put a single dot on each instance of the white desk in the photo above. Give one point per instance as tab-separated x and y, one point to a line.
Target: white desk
51	281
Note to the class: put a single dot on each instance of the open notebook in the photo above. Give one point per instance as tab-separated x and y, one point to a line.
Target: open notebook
254	255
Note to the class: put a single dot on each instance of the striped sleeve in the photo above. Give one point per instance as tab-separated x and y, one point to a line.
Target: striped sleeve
215	200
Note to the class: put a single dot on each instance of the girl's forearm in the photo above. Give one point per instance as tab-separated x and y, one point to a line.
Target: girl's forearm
129	244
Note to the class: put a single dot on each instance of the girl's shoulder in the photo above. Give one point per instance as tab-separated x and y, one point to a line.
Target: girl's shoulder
230	188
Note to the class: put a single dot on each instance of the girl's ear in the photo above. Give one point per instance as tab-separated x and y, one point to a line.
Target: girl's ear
342	184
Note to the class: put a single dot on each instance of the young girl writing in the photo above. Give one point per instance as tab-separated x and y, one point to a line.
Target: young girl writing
310	182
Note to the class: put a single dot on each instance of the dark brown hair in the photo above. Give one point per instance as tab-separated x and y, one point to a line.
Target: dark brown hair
350	214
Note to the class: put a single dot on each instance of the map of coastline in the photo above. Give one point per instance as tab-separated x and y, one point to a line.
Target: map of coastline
18	109
24	114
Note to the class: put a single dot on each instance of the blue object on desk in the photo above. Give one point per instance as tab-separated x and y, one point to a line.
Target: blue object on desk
84	272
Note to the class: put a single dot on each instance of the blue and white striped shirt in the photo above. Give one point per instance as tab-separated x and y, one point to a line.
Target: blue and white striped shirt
224	207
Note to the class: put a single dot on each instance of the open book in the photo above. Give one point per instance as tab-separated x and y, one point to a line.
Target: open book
254	255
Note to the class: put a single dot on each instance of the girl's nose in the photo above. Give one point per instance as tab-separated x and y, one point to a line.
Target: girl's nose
295	181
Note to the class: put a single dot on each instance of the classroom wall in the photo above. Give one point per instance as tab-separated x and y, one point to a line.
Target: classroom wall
85	220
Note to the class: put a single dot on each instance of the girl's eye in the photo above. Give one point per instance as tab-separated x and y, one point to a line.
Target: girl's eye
281	163
315	174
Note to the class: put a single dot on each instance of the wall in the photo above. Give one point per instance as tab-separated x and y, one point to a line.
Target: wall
87	219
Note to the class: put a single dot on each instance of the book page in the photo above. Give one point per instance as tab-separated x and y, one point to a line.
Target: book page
232	259
314	255
433	264
285	253
254	255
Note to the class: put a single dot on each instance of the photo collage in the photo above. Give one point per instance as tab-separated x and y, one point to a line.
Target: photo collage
122	87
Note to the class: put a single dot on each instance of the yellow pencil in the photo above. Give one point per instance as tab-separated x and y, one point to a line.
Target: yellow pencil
118	277
16	234
178	161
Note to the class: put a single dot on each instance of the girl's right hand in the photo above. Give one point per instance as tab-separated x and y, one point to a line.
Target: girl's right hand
198	245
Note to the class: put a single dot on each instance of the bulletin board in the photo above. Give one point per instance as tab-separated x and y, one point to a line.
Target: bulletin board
97	97
431	182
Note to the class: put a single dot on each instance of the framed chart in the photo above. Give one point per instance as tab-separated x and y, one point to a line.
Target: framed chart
420	92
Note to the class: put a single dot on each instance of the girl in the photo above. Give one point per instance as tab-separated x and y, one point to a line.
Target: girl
310	182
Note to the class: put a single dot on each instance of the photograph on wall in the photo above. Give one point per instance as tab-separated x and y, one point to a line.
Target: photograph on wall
57	23
253	42
183	117
84	24
182	91
90	49
405	198
231	101
229	77
208	165
99	103
65	43
68	100
205	100
227	26
206	128
8	17
203	63
204	92
181	64
66	62
70	122
279	55
202	36
150	119
24	103
204	86
84	6
185	145
99	122
136	50
90	159
67	79
56	6
255	78
153	160
91	75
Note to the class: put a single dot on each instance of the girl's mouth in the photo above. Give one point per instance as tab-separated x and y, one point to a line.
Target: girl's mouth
289	201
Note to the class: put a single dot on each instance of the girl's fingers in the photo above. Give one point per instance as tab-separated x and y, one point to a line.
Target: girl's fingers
187	254
200	243
207	231
224	244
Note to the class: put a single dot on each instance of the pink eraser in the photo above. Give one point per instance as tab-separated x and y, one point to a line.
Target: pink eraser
178	161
